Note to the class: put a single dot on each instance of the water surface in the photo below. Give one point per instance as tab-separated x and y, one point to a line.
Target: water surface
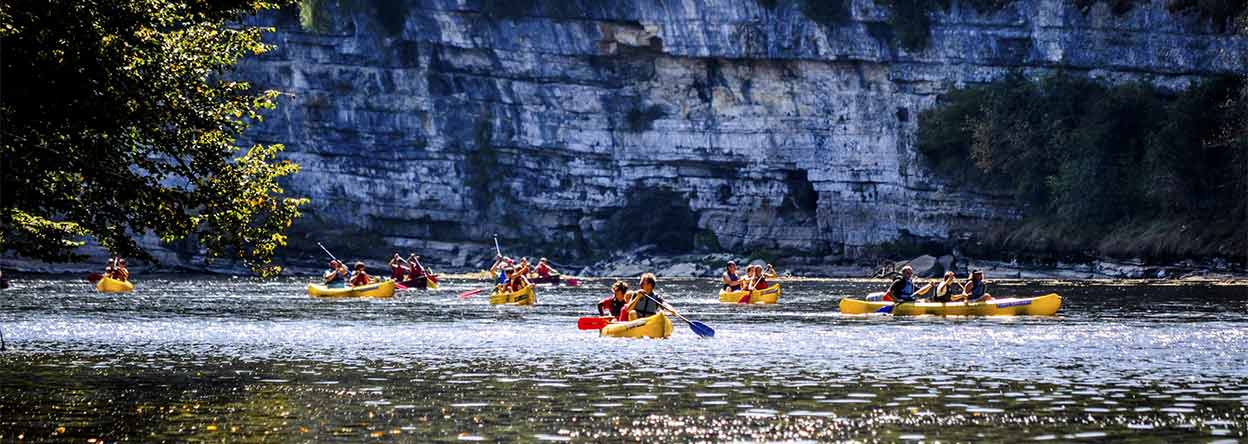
243	360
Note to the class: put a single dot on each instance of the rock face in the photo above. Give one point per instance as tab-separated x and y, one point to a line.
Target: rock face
568	127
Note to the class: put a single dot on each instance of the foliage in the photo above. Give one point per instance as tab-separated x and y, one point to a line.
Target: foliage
317	15
120	120
1084	156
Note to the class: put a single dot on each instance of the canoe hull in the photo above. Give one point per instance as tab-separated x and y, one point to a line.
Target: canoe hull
552	280
769	295
110	285
657	327
1046	305
525	296
383	289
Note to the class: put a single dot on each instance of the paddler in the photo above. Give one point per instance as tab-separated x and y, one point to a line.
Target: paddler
644	302
944	290
397	268
416	271
732	282
120	272
523	268
336	276
902	289
360	277
544	270
760	278
771	272
975	289
614	305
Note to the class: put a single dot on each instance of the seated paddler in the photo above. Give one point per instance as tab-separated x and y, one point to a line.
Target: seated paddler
336	275
644	302
614	305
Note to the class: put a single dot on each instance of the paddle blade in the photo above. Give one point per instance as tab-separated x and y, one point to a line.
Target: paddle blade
746	299
432	284
433	280
94	277
399	286
592	323
572	282
470	293
701	329
886	308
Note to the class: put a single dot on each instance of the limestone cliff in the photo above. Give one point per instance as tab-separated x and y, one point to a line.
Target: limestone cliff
569	127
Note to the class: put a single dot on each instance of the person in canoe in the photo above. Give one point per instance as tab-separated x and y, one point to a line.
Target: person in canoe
501	264
336	276
771	272
523	267
417	274
615	304
397	268
944	290
644	302
517	279
903	289
732	282
360	277
760	278
975	289
120	272
544	270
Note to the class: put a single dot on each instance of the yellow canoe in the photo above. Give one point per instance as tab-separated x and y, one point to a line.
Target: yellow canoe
657	326
1046	305
769	295
110	285
383	289
524	296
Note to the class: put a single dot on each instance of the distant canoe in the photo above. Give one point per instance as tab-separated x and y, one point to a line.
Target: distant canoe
110	285
769	295
383	289
1046	305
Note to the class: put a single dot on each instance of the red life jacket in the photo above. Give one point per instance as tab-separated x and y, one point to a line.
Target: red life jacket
543	270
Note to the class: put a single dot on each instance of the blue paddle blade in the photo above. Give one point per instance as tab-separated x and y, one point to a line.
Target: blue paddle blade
701	329
886	309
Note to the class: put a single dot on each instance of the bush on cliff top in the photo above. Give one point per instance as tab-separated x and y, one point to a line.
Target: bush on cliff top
1092	159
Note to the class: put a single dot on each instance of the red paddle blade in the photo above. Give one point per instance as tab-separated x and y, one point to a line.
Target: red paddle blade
746	299
572	282
432	278
469	293
94	277
593	323
400	286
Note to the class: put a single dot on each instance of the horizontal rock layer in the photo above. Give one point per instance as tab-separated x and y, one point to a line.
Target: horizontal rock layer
550	122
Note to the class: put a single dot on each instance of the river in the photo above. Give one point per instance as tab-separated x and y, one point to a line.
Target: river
244	360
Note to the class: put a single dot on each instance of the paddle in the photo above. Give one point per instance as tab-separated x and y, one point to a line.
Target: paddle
95	277
700	329
572	282
746	299
433	280
592	323
470	293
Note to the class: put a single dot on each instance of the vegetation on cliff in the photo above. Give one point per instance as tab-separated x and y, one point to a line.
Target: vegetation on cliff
119	120
1127	170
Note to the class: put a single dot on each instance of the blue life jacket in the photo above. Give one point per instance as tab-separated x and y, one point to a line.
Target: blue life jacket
978	289
502	277
734	277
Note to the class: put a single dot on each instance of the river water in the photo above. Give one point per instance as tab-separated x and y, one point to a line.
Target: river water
243	360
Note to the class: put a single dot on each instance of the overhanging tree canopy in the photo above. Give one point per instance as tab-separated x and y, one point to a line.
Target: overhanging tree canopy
119	119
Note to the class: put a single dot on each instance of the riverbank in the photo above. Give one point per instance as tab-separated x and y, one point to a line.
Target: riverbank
642	260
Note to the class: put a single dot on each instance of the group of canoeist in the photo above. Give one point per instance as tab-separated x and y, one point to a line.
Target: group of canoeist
116	270
643	302
406	271
516	275
904	290
755	277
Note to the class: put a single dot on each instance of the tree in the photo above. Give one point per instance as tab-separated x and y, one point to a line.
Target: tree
119	119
